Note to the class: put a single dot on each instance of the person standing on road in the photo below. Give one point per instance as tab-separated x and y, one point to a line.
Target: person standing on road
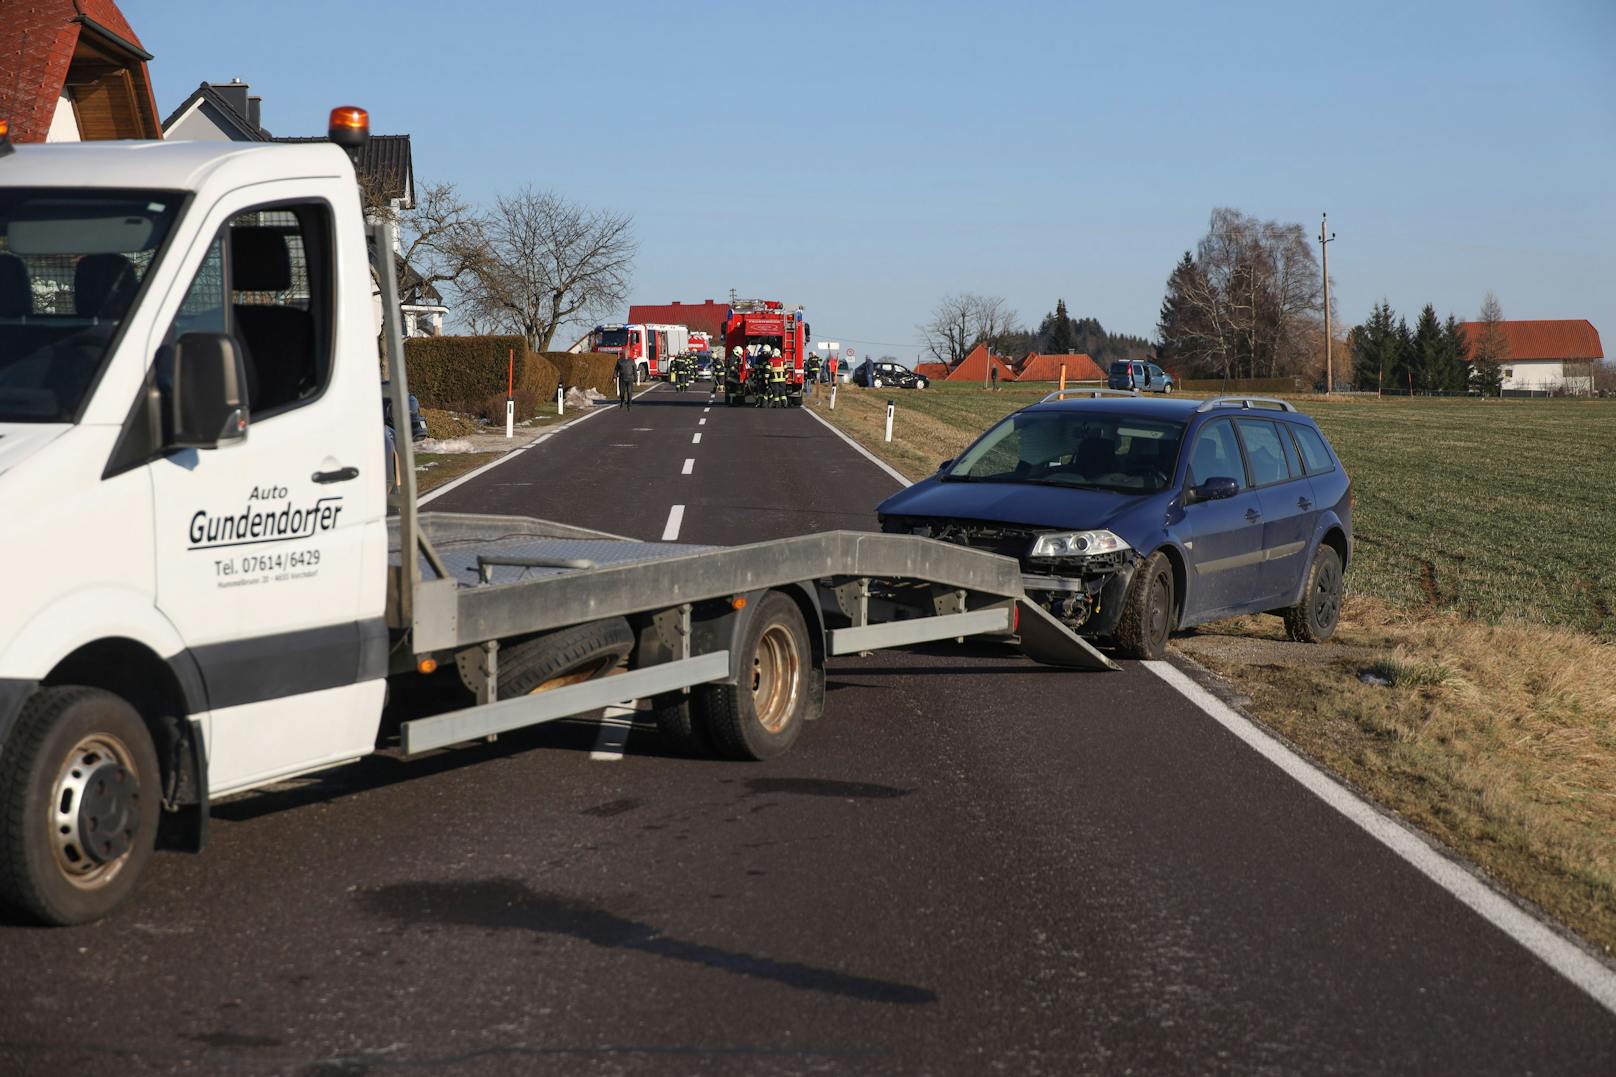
993	374
625	381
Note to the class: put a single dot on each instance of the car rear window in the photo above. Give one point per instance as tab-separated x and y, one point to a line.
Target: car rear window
1314	453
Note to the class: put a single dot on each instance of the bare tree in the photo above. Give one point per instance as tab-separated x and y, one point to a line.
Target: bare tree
950	330
549	262
441	240
960	322
1491	348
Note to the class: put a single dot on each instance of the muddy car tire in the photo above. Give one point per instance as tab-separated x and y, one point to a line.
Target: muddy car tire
763	716
563	657
1313	620
80	797
1147	611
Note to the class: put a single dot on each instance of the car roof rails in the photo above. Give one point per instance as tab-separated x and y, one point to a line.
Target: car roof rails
1062	394
1245	402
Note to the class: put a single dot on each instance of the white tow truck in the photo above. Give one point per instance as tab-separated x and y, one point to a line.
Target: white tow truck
212	587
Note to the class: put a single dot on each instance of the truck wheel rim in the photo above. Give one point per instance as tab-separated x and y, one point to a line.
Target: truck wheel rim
95	811
776	676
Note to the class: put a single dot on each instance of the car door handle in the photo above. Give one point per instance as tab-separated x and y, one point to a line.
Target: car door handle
1303	503
341	474
1253	515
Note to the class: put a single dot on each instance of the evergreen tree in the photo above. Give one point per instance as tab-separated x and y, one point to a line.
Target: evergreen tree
1455	356
1377	349
1060	338
1427	351
1491	348
1179	324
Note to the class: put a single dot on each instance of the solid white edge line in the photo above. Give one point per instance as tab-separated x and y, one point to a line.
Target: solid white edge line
861	450
676	517
1584	970
513	453
690	465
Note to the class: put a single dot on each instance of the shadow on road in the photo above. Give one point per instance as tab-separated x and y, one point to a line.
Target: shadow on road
509	904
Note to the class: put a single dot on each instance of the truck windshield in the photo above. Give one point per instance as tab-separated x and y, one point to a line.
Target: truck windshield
611	338
1061	447
71	265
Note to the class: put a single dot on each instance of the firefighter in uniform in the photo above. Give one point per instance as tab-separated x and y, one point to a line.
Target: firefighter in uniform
777	379
810	374
679	372
732	372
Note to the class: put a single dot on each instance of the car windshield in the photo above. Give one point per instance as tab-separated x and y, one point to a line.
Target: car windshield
1062	447
71	265
611	338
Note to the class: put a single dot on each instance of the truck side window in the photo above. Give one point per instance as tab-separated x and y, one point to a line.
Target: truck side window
203	310
1217	456
280	303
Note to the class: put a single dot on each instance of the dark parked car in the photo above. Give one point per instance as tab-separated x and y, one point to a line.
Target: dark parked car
1132	516
885	374
1139	374
417	422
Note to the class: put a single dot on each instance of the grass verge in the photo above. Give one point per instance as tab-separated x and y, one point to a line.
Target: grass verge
434	469
1480	601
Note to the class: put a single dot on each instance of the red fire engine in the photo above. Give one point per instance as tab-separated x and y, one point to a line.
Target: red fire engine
753	324
650	346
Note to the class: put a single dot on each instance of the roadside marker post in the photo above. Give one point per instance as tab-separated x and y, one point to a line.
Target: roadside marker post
561	401
1063	378
889	420
833	386
510	392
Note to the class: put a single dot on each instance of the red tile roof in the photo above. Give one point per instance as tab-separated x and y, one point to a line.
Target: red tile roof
974	367
932	371
36	49
1565	338
1048	367
706	317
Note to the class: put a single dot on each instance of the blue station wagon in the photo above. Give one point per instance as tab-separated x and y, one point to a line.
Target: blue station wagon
1132	516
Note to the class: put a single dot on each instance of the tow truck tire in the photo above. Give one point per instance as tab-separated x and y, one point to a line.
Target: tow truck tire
1313	620
1147	611
80	795
563	657
762	717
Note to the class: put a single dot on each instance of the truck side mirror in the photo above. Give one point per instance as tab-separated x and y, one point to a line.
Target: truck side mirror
206	392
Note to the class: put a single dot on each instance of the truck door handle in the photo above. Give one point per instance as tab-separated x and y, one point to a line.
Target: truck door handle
341	474
1253	515
1303	503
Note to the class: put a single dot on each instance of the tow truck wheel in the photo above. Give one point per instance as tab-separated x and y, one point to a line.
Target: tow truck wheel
681	728
80	794
563	657
1147	611
762	717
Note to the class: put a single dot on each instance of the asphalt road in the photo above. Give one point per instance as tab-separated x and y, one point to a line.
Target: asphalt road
972	864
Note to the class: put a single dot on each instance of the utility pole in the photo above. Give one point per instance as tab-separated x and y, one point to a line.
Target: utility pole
1325	238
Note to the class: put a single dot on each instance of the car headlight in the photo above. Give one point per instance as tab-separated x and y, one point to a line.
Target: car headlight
1077	544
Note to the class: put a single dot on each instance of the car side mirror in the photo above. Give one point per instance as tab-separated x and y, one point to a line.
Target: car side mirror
1216	488
206	393
944	465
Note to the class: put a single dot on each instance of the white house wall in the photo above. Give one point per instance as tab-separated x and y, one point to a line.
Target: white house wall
64	124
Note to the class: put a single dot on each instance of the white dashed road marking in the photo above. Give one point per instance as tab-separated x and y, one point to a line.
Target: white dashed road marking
676	516
615	723
701	422
695	439
690	465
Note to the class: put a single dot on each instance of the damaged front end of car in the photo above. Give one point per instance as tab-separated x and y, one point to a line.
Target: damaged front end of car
1079	577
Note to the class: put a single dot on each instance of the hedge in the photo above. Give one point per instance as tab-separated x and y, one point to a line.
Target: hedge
586	370
459	373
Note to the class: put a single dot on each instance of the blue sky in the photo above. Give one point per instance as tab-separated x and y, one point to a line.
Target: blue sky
865	159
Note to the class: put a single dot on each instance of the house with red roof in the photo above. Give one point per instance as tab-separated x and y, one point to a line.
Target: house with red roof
932	371
1079	367
1545	356
704	317
975	366
73	70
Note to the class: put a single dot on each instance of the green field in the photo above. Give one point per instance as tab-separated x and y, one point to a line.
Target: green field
1492	508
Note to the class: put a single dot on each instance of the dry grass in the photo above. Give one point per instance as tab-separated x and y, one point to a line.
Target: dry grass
434	469
1497	739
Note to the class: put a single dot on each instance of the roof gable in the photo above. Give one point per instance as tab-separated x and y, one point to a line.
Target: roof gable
1565	338
384	161
1079	367
220	112
705	317
38	47
974	367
